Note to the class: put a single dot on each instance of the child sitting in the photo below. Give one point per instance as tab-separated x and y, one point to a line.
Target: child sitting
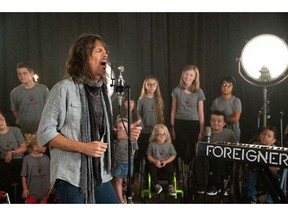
161	153
268	137
216	166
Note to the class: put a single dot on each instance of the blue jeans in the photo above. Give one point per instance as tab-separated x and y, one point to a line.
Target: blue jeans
121	170
69	193
250	187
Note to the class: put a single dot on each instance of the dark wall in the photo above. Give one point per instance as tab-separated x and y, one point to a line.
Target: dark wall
160	44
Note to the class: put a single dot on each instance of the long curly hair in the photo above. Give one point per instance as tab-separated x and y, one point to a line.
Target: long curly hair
31	141
77	63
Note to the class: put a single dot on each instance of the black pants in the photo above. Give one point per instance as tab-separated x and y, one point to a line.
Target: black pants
143	143
10	179
186	138
214	166
167	171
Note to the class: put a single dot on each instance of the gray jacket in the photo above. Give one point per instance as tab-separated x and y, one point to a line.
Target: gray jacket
62	115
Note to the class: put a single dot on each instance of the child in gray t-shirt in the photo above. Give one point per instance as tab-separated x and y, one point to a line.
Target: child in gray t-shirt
161	154
35	172
120	169
216	166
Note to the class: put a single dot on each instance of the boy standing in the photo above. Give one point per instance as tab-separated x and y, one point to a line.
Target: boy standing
28	99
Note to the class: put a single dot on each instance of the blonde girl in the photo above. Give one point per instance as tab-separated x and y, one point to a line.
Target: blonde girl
160	154
35	172
187	113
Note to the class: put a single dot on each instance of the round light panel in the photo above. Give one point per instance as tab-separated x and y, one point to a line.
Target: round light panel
264	60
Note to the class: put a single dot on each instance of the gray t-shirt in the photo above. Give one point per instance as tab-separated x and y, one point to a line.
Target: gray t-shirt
121	151
37	171
229	107
29	104
147	108
161	151
226	135
187	104
11	140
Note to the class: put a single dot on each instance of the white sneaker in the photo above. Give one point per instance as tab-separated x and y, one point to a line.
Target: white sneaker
171	190
213	191
158	188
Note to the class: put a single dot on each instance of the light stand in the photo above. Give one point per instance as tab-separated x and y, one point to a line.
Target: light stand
264	106
267	54
281	129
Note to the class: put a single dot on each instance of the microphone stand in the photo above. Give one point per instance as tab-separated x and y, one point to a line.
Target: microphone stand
129	191
206	166
121	89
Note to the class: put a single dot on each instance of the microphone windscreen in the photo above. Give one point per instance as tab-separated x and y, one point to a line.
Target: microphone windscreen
207	131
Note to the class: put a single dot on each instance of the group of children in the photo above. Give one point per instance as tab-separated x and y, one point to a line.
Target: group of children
187	128
157	143
34	167
20	153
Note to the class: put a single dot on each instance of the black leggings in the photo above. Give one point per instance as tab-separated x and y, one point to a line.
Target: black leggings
186	138
167	171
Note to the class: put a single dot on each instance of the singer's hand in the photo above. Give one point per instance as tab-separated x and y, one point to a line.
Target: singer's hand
135	130
95	149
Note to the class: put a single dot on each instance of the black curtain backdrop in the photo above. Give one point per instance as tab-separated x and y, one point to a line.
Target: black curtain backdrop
158	44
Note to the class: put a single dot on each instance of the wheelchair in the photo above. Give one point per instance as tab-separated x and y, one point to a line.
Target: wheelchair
146	190
4	198
266	182
192	188
234	180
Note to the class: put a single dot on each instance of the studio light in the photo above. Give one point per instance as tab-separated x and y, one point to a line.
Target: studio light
264	62
35	77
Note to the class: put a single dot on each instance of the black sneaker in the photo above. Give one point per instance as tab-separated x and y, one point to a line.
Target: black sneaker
213	191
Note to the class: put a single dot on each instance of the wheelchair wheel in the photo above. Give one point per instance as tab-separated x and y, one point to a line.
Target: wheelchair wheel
142	177
180	172
239	180
191	189
145	182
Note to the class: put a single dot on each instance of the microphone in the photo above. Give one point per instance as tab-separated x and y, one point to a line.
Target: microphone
120	86
207	133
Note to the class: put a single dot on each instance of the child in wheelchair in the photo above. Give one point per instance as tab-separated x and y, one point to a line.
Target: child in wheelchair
216	166
161	154
268	137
